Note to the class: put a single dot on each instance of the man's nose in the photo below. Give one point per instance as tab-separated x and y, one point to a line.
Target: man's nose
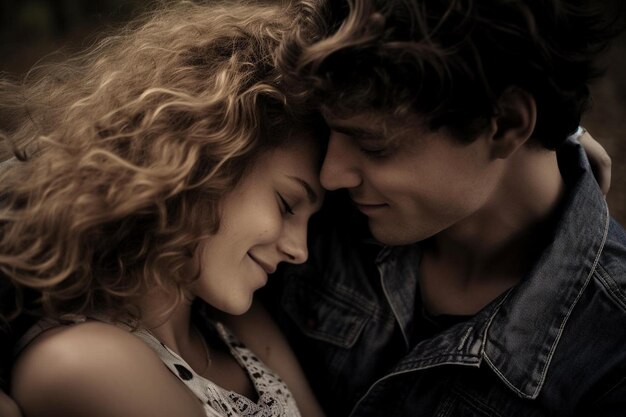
340	167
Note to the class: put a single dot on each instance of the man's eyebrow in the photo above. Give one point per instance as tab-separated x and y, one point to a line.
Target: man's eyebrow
311	194
356	132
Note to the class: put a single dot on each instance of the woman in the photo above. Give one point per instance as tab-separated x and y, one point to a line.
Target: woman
165	175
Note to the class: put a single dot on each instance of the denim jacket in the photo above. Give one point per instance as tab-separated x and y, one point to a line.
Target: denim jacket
553	345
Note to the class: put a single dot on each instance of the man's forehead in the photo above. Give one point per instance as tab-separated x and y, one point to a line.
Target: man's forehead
367	124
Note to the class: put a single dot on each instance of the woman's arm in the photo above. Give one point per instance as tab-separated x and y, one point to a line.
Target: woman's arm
8	407
258	331
97	370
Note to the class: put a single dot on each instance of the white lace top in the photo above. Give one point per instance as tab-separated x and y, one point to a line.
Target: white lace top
274	398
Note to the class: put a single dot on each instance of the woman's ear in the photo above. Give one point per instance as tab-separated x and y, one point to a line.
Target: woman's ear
514	122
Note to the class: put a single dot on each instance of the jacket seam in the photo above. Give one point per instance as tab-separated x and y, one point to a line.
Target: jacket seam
415	364
390	304
609	283
483	407
353	300
610	390
505	380
562	327
398	373
544	371
337	303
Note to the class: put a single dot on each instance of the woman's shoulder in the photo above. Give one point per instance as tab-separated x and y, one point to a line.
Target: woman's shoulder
95	369
82	347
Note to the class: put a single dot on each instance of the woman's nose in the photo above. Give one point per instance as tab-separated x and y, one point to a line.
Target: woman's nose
293	245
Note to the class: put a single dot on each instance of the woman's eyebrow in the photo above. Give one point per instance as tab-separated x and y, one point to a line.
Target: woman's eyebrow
311	194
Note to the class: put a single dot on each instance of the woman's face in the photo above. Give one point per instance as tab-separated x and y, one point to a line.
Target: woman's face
264	222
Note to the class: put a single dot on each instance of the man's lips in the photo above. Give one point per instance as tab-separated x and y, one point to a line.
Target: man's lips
370	207
266	267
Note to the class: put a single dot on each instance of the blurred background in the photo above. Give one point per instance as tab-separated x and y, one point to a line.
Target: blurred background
32	30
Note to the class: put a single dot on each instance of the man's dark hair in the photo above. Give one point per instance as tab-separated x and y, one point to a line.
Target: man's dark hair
450	61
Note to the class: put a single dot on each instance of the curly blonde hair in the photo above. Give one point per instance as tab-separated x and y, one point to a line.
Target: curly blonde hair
128	149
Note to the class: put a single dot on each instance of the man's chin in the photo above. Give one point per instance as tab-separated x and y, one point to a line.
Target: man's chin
397	235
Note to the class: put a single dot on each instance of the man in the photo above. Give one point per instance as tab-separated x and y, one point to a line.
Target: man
494	280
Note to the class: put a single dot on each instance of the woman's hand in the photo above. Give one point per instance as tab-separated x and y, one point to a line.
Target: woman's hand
599	160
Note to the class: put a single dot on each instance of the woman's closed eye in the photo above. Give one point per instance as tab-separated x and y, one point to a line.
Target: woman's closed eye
286	206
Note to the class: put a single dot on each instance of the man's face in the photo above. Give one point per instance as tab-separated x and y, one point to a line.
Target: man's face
411	182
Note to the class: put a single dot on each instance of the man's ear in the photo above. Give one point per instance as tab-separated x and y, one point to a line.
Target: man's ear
514	122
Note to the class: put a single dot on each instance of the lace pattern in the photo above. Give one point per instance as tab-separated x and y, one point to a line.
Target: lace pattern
274	398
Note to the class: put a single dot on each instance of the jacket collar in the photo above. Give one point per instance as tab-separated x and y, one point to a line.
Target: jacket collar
517	334
526	329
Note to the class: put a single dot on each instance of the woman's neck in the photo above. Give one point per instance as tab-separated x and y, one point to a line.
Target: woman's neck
171	326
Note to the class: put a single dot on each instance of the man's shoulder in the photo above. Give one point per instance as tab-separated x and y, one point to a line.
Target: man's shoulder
588	358
611	264
615	245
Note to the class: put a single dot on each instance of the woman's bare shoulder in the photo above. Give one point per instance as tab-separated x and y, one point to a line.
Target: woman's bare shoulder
96	369
85	350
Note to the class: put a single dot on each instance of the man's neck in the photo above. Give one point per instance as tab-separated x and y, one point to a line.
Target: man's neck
468	265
